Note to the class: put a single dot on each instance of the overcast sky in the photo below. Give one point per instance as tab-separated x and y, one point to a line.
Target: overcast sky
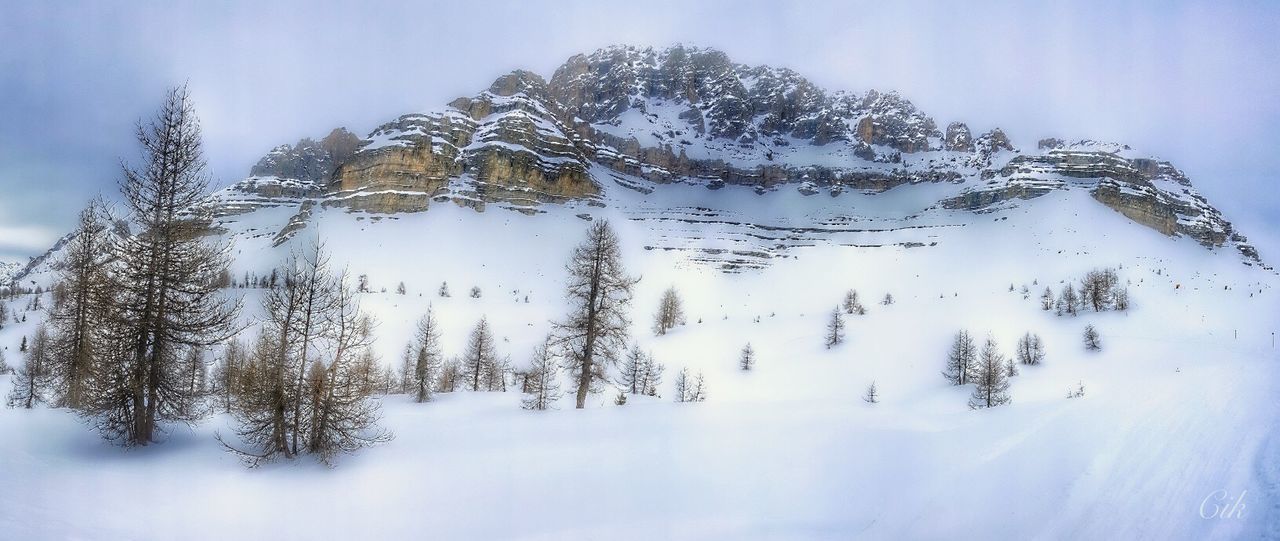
1196	83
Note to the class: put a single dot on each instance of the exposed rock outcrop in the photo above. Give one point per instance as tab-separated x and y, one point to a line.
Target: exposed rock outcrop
687	114
1150	192
308	160
958	138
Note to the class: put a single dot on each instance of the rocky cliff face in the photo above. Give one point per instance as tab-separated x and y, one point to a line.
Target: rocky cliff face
1151	192
692	115
508	144
747	105
309	161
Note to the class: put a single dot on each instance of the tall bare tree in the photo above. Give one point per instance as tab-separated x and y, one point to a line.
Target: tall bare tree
747	360
991	378
407	371
228	373
77	319
1068	301
651	376
961	359
31	385
479	359
165	294
429	359
670	312
835	329
543	378
342	417
599	292
632	373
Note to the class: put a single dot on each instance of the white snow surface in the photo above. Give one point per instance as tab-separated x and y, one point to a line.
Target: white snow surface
1179	415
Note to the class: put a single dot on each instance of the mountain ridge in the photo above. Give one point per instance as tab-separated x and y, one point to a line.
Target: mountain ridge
641	117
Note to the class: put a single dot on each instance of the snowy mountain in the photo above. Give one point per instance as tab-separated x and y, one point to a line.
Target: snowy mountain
763	199
644	118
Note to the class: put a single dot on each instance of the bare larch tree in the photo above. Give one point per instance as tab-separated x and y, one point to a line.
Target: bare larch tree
77	320
165	294
342	418
428	359
961	359
543	384
479	359
747	359
631	376
835	329
670	312
599	292
991	378
1092	341
31	385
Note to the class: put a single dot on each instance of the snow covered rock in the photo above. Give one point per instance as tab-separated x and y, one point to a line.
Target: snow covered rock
958	138
309	161
641	118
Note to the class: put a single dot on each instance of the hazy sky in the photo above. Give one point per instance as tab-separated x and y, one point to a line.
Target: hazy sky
1196	83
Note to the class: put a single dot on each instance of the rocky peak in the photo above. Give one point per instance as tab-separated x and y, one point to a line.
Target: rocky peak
340	144
309	161
731	101
520	81
958	138
1050	143
994	141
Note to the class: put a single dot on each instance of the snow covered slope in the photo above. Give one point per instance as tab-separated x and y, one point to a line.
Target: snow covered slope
762	199
1180	404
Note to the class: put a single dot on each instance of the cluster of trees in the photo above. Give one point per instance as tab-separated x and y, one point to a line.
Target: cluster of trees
690	388
135	310
137	315
305	385
589	345
851	304
251	280
641	374
1100	290
988	370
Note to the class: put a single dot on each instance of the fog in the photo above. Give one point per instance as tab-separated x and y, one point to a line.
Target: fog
1195	83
